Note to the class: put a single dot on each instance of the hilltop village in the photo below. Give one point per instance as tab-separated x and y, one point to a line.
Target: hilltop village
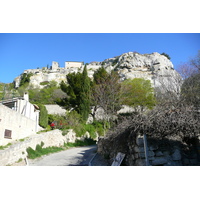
154	67
119	117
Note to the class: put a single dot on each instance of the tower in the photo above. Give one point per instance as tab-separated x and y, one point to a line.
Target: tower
55	66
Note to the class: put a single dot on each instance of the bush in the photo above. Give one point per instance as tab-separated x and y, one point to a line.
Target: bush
166	55
44	83
43	117
39	151
25	78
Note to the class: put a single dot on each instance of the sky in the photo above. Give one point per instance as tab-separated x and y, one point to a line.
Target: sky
21	51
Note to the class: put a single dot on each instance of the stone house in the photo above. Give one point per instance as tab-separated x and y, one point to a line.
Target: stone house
69	64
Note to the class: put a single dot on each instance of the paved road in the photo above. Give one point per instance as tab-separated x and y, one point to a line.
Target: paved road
79	156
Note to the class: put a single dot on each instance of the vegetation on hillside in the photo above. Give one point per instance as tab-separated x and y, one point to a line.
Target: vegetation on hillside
138	93
166	55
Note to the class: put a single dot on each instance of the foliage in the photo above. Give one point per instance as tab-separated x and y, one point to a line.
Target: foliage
43	117
195	62
84	106
50	94
106	92
190	90
115	61
73	120
73	90
44	83
39	151
7	90
92	129
25	78
166	55
6	146
138	93
86	142
78	93
100	75
22	89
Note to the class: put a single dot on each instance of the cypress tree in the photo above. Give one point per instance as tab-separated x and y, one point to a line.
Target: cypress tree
85	93
43	117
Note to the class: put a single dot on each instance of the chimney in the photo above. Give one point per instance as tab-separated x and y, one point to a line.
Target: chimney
26	96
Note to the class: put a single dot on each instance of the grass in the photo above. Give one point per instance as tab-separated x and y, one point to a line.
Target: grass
80	143
40	151
4	147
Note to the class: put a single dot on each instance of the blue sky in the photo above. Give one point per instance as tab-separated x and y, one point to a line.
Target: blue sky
20	51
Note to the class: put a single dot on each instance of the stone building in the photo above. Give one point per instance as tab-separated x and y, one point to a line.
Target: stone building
69	64
55	66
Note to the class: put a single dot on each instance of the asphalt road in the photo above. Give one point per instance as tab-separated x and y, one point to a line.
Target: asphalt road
79	156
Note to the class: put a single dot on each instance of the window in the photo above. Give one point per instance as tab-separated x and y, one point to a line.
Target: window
8	134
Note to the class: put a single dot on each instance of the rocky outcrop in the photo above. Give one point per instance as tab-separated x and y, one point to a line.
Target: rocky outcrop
155	67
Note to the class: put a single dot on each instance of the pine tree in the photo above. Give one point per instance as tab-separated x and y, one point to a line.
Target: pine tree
85	93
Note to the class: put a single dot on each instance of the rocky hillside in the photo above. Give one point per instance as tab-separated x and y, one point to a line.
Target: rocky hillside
155	67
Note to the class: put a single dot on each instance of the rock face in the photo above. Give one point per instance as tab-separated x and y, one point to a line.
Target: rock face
154	67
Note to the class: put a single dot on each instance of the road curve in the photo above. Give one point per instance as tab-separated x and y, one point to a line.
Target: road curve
79	156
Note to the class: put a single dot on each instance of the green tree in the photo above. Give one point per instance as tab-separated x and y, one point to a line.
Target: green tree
138	93
50	94
78	92
43	117
85	95
73	90
25	78
100	75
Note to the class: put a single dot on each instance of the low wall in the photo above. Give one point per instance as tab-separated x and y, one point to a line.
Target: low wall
55	110
18	150
165	152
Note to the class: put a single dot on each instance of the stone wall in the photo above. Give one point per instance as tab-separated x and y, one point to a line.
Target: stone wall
165	152
158	155
55	109
18	151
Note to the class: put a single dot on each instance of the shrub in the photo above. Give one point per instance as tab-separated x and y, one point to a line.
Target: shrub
166	55
25	79
39	151
43	117
44	83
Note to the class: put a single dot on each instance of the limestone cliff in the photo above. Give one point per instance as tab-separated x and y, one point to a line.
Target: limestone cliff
155	67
